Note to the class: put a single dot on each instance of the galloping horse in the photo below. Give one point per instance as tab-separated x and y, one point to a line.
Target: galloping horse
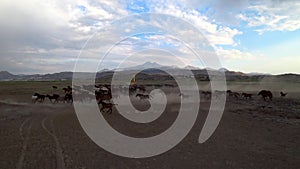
38	97
106	106
233	94
283	94
143	96
247	95
102	97
54	98
266	93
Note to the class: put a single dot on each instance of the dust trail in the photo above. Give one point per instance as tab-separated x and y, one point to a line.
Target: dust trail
60	164
13	103
24	147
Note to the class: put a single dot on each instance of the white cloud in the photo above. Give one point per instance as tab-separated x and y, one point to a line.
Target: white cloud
273	15
41	34
216	34
51	30
234	54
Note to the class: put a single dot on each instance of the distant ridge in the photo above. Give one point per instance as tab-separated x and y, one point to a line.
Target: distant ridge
256	73
191	67
149	69
146	65
5	75
223	69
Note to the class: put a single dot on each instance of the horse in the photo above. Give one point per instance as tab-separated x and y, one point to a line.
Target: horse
102	90
218	93
265	94
143	96
102	97
106	105
141	88
67	90
206	93
68	98
132	89
283	94
247	95
54	97
233	94
38	97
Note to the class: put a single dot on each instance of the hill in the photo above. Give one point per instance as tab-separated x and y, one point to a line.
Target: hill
153	70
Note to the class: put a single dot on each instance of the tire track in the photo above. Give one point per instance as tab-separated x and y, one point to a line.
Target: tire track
22	126
60	164
25	142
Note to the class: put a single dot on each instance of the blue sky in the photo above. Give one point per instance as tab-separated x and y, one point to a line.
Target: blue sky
247	35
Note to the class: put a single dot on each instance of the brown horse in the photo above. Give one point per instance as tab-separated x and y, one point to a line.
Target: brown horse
206	93
106	106
69	98
233	94
67	90
54	98
247	95
38	97
265	94
102	97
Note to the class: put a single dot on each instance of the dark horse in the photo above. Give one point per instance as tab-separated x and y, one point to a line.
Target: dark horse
106	106
38	97
266	93
53	98
247	95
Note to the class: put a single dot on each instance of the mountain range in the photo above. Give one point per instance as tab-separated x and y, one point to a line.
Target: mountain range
148	68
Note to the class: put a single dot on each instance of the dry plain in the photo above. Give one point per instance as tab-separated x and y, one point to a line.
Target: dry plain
252	133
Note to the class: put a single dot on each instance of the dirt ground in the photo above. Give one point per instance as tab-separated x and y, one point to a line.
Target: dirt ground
252	134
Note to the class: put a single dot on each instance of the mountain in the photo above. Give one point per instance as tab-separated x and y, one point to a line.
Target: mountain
152	70
146	65
191	67
5	75
256	73
234	73
223	70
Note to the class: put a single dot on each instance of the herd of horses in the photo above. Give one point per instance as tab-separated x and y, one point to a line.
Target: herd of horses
265	94
54	98
103	95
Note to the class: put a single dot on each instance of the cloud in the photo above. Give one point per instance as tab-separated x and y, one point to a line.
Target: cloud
47	36
224	11
53	30
56	30
234	54
273	15
216	34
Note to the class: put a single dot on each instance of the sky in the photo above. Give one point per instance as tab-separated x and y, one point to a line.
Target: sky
47	36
